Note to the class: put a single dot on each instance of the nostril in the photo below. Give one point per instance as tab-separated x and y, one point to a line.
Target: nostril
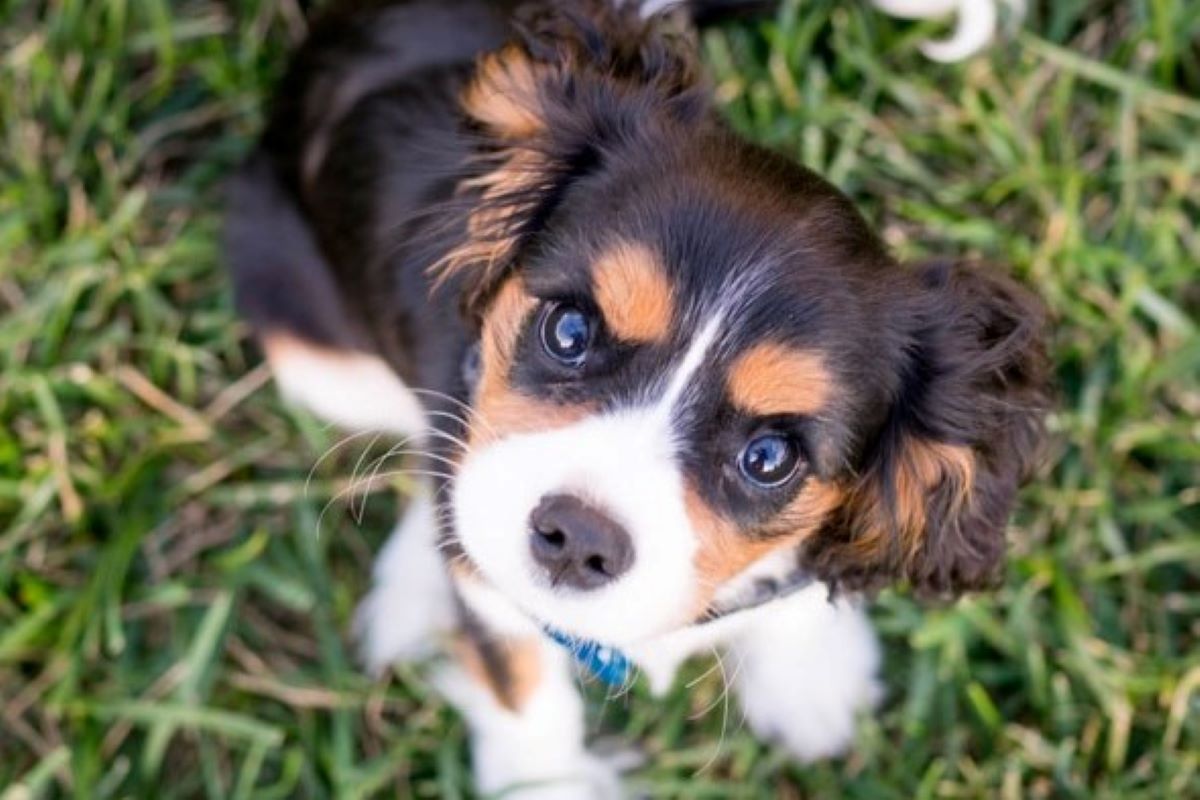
555	539
597	564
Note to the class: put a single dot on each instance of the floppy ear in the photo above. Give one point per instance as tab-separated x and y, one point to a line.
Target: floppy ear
938	483
582	81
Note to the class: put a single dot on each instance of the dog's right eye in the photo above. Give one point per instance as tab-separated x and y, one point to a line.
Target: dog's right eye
566	333
770	460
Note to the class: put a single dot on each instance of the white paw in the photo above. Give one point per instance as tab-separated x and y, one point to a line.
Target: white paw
804	677
585	778
410	604
536	753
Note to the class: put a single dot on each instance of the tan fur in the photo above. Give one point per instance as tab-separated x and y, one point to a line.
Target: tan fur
504	94
922	467
724	550
500	409
491	238
772	378
633	292
503	98
511	681
808	510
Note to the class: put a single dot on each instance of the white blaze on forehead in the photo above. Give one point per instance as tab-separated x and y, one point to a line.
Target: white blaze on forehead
687	367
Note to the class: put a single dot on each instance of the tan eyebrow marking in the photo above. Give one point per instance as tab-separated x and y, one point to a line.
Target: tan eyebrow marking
772	378
634	293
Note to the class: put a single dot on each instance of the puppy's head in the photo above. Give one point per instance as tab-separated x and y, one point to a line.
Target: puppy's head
696	357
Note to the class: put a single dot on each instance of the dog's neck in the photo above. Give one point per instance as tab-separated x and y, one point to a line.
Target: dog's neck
771	581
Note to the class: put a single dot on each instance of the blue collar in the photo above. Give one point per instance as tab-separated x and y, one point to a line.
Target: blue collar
606	664
612	667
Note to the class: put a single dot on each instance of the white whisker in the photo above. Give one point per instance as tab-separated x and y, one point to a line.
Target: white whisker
722	699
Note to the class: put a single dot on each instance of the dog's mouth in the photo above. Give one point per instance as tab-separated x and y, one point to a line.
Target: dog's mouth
567	615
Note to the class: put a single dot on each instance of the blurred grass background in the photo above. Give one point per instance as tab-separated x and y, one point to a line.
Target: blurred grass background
171	625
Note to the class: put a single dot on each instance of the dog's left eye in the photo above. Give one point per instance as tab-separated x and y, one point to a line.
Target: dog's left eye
566	333
770	460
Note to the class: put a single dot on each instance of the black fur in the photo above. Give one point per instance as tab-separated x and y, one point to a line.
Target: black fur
362	185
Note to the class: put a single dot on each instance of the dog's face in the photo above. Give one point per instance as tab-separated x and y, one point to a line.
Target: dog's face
696	357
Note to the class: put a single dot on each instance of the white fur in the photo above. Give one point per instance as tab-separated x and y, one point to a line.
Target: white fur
499	614
536	753
975	29
354	390
918	9
411	604
659	658
804	669
777	566
649	8
625	463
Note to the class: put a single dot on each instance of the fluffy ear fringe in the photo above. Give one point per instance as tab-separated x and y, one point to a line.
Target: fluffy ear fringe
938	484
582	79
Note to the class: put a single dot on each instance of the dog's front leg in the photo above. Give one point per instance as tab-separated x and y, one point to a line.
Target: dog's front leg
525	716
411	605
805	669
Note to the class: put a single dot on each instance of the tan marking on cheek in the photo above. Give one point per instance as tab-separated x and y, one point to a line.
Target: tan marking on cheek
500	409
503	95
502	327
772	378
811	507
724	550
922	467
511	669
506	413
633	292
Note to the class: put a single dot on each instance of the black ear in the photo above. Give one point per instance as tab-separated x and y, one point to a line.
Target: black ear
583	81
939	480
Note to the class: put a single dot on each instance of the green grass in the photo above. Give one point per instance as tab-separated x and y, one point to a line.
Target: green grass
171	624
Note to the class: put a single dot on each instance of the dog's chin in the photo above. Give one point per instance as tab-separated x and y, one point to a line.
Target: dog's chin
602	615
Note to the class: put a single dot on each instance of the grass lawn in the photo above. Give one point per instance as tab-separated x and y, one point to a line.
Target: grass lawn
176	589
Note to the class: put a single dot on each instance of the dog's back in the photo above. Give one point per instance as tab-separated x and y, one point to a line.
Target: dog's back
362	136
336	217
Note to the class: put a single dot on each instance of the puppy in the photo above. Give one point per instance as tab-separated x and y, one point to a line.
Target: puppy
670	390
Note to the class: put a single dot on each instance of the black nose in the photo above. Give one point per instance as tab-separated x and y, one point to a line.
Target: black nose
579	546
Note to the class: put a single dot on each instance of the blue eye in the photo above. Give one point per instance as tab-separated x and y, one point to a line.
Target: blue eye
769	460
566	333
